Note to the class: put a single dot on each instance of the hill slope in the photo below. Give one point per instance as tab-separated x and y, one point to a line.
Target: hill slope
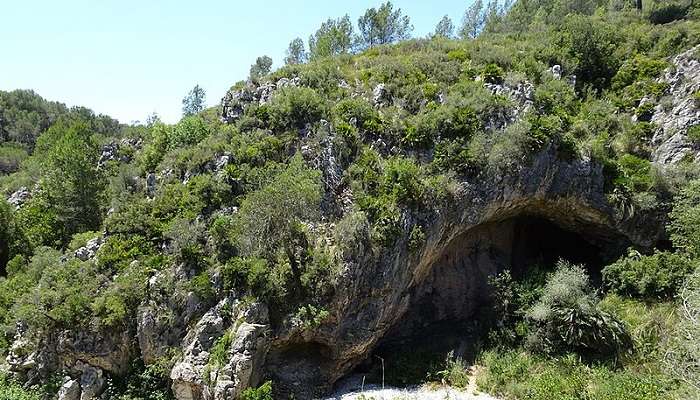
390	205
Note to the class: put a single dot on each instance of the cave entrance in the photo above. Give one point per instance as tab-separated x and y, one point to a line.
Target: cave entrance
450	302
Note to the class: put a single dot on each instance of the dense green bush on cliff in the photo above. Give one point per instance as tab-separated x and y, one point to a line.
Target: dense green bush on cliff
293	107
685	220
11	390
659	275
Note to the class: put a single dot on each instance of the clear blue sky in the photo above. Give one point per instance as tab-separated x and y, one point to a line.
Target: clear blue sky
129	58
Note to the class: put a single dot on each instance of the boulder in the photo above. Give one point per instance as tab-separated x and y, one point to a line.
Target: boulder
70	389
196	377
92	381
19	197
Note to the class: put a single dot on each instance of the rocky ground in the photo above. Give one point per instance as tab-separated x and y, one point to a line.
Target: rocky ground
352	389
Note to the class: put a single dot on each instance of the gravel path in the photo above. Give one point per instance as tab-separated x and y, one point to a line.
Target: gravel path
351	389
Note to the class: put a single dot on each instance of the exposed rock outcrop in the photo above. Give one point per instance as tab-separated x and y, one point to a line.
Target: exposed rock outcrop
19	197
88	251
243	327
679	110
235	101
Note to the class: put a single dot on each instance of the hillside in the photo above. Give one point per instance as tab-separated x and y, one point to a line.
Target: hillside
524	199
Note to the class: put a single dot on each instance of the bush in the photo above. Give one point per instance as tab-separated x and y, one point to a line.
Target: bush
294	107
10	390
683	356
456	372
685	219
492	73
520	375
567	318
358	110
634	173
694	133
591	43
264	392
440	123
659	275
189	131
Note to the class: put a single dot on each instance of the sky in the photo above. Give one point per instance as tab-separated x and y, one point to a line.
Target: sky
130	58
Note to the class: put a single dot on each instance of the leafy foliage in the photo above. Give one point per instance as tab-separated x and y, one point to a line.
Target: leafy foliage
567	318
659	275
383	25
193	103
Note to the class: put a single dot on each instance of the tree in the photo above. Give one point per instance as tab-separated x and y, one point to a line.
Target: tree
70	183
383	25
473	21
270	219
152	119
296	54
444	28
332	38
193	103
262	67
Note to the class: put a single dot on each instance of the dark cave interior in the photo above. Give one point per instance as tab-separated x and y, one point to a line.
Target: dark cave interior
450	304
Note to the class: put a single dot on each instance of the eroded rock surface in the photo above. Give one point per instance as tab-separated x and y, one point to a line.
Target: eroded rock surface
679	110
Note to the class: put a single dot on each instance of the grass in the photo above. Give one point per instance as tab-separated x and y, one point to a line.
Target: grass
518	374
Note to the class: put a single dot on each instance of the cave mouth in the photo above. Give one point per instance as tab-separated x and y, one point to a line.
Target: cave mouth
450	303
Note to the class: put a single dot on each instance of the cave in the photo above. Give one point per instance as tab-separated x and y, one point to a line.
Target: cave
450	300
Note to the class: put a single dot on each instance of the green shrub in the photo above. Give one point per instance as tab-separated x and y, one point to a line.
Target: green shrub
402	180
641	67
634	173
202	287
659	275
492	73
455	373
685	219
650	324
294	107
645	111
311	316
416	238
590	43
11	157
189	131
683	356
694	133
360	110
264	392
567	318
668	11
11	390
218	356
520	375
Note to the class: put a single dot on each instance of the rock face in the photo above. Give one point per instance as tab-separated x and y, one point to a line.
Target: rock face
244	328
475	236
88	251
19	197
522	96
678	111
235	101
504	219
70	390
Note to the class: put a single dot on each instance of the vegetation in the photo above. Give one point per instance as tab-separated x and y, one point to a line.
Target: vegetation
193	103
354	159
